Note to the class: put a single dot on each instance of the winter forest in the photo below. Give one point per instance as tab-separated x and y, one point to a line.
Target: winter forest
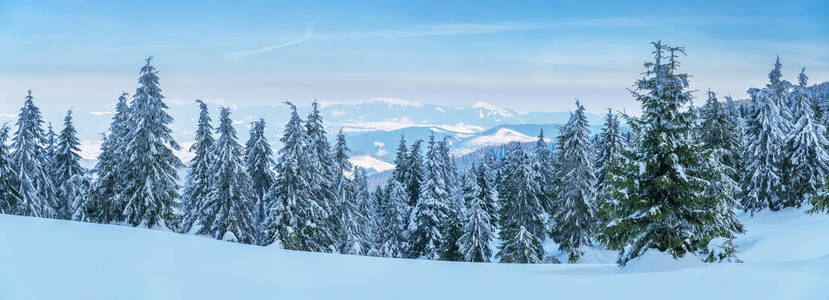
671	179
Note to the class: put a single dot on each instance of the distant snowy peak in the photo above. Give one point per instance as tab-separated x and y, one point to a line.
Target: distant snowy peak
499	137
390	101
370	163
486	110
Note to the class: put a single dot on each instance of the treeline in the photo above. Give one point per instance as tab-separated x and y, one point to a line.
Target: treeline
670	179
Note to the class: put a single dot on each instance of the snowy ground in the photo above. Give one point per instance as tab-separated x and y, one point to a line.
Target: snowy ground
786	257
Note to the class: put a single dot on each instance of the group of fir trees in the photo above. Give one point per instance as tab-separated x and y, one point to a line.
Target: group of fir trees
670	180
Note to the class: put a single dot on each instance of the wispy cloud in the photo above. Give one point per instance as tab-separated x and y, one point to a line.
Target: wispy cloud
265	49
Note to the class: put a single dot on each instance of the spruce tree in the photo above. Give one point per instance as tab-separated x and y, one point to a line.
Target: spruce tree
545	166
765	135
37	191
67	165
575	214
150	186
321	171
807	146
670	210
485	192
108	197
522	216
400	172
427	221
298	216
473	244
9	194
355	223
453	225
393	214
258	162
227	208
197	182
415	173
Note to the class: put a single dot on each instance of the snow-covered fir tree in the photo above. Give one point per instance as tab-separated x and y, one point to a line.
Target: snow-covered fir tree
765	136
431	211
415	172
670	210
545	165
609	142
150	186
30	161
612	170
82	195
453	225
349	218
50	147
258	161
321	172
485	191
227	211
393	214
400	172
67	165
478	232
576	210
806	146
356	228
9	195
108	200
298	216
197	182
522	216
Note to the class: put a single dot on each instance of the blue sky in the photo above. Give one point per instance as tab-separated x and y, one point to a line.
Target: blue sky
532	56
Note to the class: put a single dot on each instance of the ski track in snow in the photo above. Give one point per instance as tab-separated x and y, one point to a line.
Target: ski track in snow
786	256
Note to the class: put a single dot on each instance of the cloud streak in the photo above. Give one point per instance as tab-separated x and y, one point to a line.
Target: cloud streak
266	49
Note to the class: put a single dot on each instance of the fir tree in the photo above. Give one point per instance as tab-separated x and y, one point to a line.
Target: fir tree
807	147
393	213
226	213
258	162
197	184
67	165
576	211
108	197
150	188
522	215
670	210
453	225
545	167
477	230
37	191
9	194
415	173
400	172
321	171
485	193
355	225
427	221
298	217
765	135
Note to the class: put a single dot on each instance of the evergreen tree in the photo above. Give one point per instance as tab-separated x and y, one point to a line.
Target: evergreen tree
670	210
321	171
356	228
400	172
609	142
226	213
544	165
522	214
258	161
298	216
393	213
67	165
37	191
575	215
150	188
197	184
612	164
453	225
415	173
807	147
9	194
108	197
765	135
427	221
477	230
485	193
82	195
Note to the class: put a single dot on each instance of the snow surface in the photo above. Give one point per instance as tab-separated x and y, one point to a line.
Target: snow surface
500	137
786	256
